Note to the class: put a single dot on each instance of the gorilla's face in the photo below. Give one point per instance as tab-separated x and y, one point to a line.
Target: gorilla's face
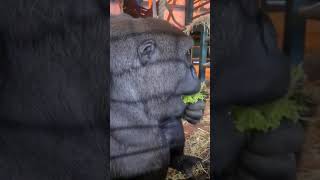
155	69
159	82
150	71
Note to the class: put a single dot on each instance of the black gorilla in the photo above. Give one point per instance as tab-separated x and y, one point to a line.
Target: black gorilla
250	70
54	89
150	71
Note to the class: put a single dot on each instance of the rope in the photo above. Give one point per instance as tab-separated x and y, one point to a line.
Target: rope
154	9
121	5
170	10
162	8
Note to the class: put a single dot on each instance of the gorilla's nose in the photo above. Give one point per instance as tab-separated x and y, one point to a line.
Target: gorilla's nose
190	84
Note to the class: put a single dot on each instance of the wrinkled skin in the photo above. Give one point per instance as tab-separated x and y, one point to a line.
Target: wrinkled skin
194	112
149	73
250	70
53	89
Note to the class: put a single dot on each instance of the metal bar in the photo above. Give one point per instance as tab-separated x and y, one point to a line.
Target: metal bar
203	55
294	34
199	15
201	5
154	9
188	12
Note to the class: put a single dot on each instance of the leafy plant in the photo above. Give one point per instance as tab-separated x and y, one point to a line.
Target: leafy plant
194	98
268	116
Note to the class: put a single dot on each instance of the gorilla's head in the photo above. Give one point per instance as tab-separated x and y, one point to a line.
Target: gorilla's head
150	70
150	64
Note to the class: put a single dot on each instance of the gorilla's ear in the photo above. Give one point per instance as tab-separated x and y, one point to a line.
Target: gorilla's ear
146	51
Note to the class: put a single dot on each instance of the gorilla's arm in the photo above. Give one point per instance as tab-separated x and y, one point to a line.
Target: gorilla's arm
250	67
253	82
137	144
125	163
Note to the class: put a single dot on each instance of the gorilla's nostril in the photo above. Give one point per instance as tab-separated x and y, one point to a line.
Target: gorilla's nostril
193	72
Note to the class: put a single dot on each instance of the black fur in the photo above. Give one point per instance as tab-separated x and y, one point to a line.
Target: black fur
54	90
246	54
149	73
251	70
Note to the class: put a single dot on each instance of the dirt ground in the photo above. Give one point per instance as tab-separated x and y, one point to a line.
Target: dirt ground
309	165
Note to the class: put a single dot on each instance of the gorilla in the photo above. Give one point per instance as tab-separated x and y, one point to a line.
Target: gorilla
150	71
250	70
54	89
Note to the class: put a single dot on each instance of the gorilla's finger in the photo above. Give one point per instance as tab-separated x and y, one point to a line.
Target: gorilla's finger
287	138
172	129
270	167
197	106
194	114
191	120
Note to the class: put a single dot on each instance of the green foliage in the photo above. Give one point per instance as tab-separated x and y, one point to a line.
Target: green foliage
268	116
193	98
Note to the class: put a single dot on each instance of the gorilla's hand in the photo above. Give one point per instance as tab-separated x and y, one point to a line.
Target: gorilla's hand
194	112
273	155
173	131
